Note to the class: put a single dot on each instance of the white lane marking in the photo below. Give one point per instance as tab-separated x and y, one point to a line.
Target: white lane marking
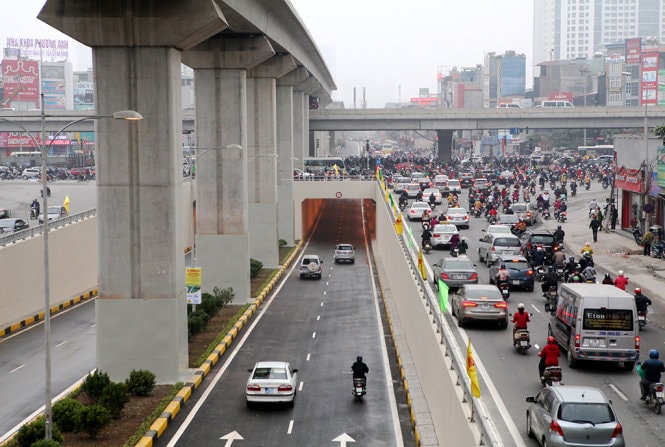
535	308
318	317
313	334
325	292
616	390
60	344
382	342
321	303
288	432
301	385
503	411
307	357
16	369
195	409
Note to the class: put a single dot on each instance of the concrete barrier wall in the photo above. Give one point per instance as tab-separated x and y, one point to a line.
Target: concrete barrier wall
72	270
438	382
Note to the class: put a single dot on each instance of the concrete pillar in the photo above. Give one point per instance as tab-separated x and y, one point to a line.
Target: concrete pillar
222	247
445	145
300	134
262	157
285	150
141	310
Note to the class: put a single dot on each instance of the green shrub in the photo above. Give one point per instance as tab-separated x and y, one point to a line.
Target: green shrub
141	382
64	413
35	431
282	243
114	397
254	267
92	419
45	443
196	322
94	384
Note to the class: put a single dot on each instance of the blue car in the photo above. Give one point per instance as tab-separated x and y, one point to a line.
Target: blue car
521	272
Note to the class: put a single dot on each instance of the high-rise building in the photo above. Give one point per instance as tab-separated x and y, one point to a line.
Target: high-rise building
505	77
571	29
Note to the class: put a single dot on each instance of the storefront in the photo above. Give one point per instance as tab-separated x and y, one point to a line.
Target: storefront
630	185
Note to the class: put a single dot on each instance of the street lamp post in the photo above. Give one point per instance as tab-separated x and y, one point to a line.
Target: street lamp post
44	147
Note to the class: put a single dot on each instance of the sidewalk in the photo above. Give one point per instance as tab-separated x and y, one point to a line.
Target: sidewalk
613	251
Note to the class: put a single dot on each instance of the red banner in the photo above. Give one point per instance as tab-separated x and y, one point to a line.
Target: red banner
633	49
629	180
21	82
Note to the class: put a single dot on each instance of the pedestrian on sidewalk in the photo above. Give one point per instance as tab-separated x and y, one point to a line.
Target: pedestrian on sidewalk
594	225
614	215
646	241
599	218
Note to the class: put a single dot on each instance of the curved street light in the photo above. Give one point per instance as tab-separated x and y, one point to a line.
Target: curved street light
129	115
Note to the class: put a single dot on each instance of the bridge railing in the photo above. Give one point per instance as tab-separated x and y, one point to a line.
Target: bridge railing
11	238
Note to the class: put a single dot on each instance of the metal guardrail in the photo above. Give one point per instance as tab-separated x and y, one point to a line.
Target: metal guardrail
11	238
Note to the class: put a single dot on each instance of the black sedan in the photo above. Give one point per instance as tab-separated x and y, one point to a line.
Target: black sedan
521	273
10	225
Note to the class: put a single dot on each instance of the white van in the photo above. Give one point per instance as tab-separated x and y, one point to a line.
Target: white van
555	104
596	322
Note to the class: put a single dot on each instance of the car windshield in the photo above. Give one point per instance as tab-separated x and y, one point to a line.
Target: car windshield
458	265
508	218
6	223
269	373
456	211
542	239
344	247
453	182
446	228
498	229
519	208
54	210
310	260
507	242
595	413
487	293
517	265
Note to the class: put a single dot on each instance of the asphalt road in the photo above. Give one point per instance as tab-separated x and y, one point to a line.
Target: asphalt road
508	377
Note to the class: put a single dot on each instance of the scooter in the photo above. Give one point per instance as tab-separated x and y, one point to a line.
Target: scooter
403	204
521	340
551	297
637	235
656	396
658	249
562	217
552	376
454	252
504	288
427	246
359	387
604	184
546	213
587	186
33	213
476	212
642	318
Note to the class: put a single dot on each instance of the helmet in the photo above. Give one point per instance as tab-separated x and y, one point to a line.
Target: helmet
620	272
520	306
359	358
572	259
638	291
550	340
653	354
587	254
540	248
559	227
503	266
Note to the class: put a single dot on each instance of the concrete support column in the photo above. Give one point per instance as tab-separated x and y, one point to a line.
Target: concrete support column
141	310
300	134
285	163
222	239
445	145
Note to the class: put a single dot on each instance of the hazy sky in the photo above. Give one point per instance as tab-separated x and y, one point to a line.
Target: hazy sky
391	48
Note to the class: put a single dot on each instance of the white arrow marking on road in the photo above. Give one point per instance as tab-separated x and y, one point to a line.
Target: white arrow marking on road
343	439
230	437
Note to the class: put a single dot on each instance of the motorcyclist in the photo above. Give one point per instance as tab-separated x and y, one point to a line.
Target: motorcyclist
426	236
502	275
463	246
403	198
538	257
621	281
608	280
585	261
593	207
589	273
520	319
551	279
519	227
559	234
454	241
34	207
575	277
571	266
419	196
432	200
558	258
549	356
642	302
546	199
359	368
573	188
652	368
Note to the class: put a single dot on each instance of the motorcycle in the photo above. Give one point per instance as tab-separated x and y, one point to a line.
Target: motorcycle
521	340
605	184
573	191
504	288
454	252
562	217
532	190
551	296
637	235
656	396
552	185
642	318
403	204
427	246
492	220
587	186
33	213
658	249
546	213
426	225
539	273
552	376
476	212
359	387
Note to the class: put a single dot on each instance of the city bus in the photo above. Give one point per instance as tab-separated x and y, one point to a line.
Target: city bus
321	164
594	151
21	158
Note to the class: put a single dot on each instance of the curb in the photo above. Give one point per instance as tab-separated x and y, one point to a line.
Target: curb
159	425
20	325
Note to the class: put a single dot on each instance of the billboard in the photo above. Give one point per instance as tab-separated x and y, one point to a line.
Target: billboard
21	81
633	50
649	84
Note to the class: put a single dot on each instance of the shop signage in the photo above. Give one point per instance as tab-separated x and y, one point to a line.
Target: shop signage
660	168
629	180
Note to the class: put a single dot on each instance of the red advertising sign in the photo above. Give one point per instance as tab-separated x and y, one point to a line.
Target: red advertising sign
649	76
561	96
21	81
428	100
633	50
629	179
18	140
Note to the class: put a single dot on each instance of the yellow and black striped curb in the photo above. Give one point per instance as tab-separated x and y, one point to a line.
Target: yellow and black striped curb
20	325
174	407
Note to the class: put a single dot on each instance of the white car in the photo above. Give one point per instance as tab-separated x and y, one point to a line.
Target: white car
454	185
412	190
438	198
495	229
415	212
310	267
458	216
442	233
273	382
54	212
345	253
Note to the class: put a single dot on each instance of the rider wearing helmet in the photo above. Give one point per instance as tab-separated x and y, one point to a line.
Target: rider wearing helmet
559	234
549	355
621	281
520	319
641	301
503	275
359	368
652	367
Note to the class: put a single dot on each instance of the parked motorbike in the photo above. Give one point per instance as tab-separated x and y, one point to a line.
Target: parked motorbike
637	235
359	387
562	217
504	288
521	340
658	249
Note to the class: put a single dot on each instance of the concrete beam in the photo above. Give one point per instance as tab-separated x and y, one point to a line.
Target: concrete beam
229	53
275	67
133	23
294	77
309	86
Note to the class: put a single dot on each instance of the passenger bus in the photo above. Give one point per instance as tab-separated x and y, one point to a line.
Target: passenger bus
21	158
324	164
594	151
